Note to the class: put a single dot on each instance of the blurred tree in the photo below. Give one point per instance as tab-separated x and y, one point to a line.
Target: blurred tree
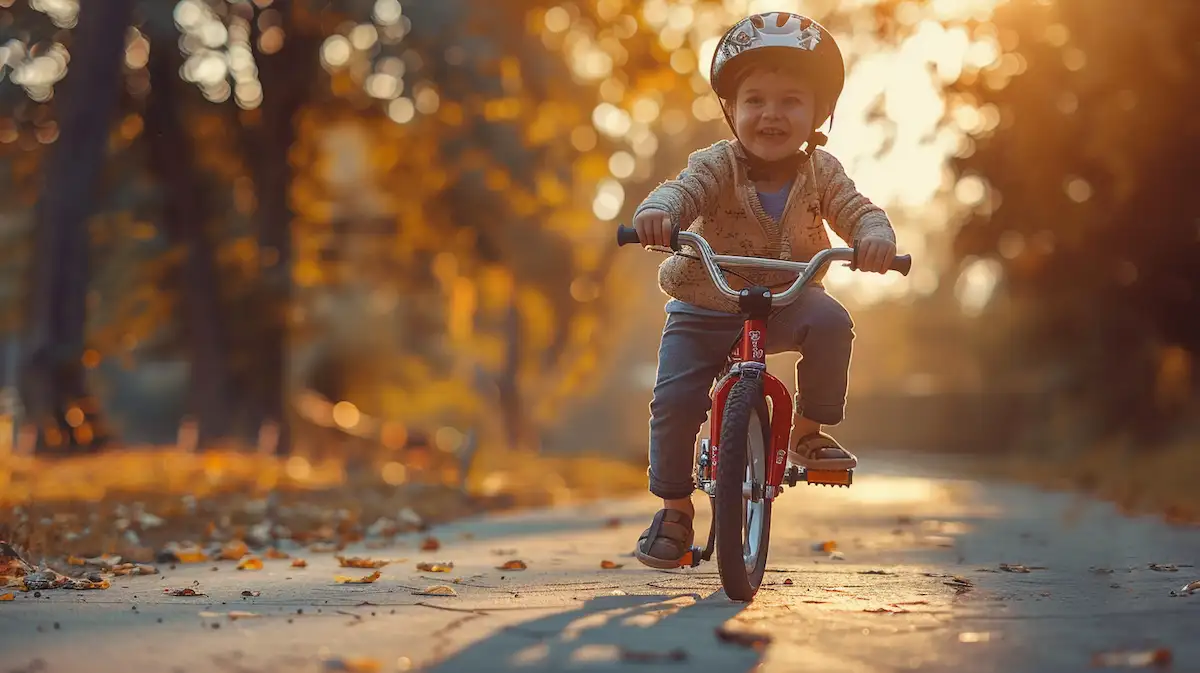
54	386
186	215
1092	216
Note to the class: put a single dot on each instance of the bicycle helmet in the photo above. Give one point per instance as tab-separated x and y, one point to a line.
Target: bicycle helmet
787	40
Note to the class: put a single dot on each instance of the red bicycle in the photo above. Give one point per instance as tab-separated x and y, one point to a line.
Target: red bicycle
746	460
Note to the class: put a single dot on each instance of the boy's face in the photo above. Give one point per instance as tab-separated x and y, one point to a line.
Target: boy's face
773	114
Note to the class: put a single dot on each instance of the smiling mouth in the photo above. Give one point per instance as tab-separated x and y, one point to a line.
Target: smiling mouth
776	134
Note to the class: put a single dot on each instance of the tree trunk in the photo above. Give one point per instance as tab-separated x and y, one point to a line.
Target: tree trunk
54	385
286	75
185	216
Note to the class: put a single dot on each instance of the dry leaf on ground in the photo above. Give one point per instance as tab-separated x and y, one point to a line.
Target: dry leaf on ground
430	544
7	597
437	590
234	550
744	638
251	594
1187	589
239	614
677	654
610	565
193	590
342	579
513	565
827	546
357	562
299	563
437	567
274	553
352	665
250	563
1130	659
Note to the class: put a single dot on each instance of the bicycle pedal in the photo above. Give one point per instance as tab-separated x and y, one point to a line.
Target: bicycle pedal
692	558
829	477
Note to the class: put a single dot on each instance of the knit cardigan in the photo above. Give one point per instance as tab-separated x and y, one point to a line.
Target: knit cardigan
714	198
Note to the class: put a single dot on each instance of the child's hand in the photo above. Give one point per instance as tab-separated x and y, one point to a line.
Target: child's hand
653	227
875	254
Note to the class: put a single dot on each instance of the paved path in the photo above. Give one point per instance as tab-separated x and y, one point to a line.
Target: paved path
905	529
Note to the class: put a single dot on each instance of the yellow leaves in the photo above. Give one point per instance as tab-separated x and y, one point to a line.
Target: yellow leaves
551	190
502	109
537	317
442	567
514	564
610	565
234	550
355	562
250	563
343	579
437	590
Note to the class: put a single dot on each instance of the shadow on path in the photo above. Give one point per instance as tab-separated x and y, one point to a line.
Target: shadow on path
614	633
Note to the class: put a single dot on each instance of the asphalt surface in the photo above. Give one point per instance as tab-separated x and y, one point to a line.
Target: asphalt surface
916	584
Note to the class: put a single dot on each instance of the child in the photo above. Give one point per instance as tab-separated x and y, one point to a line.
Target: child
779	76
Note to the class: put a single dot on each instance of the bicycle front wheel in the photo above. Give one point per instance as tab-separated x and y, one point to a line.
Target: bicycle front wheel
743	514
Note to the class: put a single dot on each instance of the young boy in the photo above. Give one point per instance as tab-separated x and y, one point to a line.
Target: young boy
779	76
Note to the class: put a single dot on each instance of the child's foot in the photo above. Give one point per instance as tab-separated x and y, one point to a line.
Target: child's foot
819	451
668	539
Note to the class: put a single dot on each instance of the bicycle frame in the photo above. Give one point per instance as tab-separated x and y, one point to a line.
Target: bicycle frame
749	349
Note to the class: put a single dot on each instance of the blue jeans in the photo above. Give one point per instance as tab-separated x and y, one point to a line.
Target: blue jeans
695	344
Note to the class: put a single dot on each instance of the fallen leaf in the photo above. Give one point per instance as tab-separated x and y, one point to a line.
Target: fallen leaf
352	664
875	572
250	563
274	553
299	563
1187	589
442	567
609	565
430	544
614	522
342	579
251	594
744	638
788	582
185	591
892	610
1164	567
356	562
437	590
134	569
827	546
513	565
235	615
1018	568
234	550
504	552
8	597
677	654
1133	659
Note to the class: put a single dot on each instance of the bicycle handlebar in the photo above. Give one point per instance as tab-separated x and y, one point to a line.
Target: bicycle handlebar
807	270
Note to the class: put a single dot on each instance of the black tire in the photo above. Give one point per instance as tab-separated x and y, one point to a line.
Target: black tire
745	413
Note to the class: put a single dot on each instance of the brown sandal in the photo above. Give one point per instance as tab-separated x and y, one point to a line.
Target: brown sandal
667	541
819	451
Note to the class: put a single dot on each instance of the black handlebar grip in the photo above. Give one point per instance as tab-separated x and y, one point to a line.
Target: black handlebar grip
902	263
628	235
